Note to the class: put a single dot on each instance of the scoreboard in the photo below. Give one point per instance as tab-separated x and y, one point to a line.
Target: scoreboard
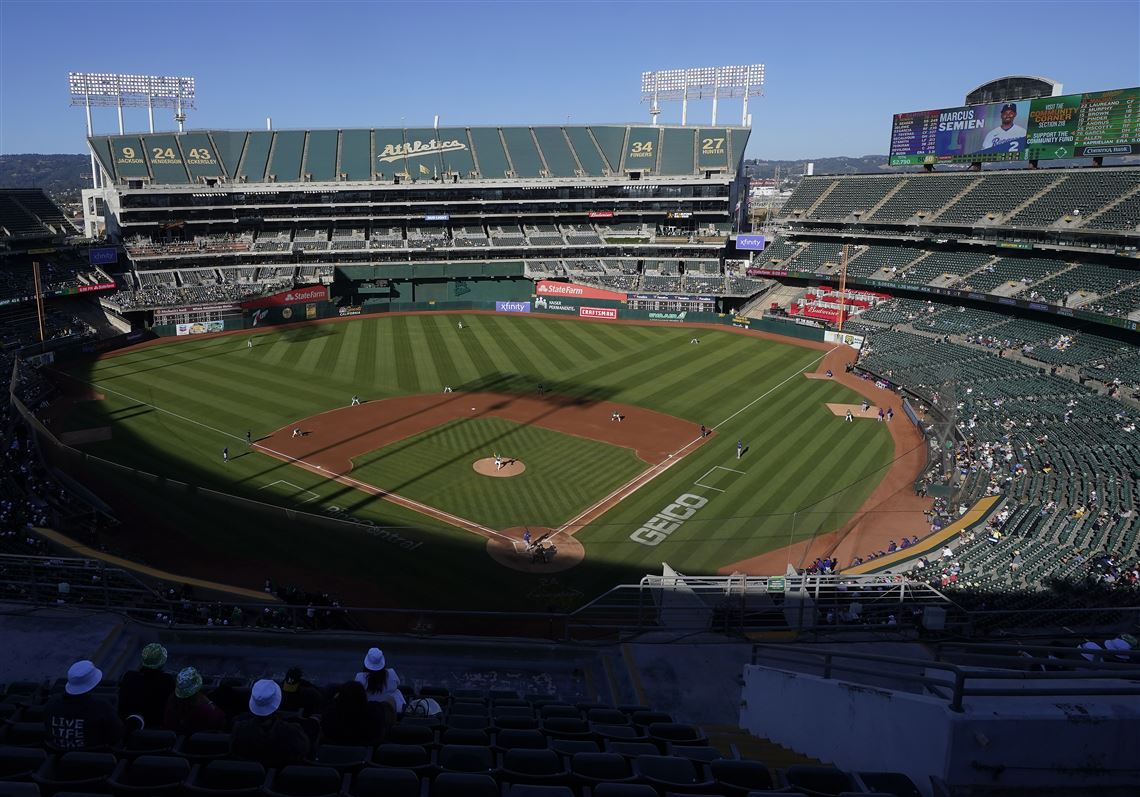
1046	128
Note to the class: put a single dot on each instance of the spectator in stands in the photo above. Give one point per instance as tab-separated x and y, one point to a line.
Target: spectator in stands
188	710
379	682
145	691
354	719
265	737
297	694
78	720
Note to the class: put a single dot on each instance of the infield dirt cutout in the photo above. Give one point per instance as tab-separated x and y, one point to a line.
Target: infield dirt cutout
331	440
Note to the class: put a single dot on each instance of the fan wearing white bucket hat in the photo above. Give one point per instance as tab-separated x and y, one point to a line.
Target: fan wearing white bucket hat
264	736
380	682
78	719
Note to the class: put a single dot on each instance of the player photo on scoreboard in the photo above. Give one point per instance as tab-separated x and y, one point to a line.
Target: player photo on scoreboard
992	129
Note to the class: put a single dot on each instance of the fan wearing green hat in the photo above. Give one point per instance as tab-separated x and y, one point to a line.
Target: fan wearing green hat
188	709
144	692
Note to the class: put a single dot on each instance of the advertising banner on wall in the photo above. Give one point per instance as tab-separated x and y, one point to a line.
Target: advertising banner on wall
572	291
512	307
597	312
750	243
844	339
200	327
313	293
544	304
106	256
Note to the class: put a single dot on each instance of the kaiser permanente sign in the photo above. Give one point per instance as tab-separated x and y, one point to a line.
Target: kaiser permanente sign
569	290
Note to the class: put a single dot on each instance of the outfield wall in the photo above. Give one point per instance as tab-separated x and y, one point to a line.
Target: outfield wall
507	300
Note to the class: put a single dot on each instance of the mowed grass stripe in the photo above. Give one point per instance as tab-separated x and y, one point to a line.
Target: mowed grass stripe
552	348
271	397
502	337
563	475
681	390
624	370
331	352
484	332
752	377
577	337
407	373
653	367
440	347
485	367
310	357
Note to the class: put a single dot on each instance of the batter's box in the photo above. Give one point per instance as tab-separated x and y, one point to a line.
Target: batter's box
718	478
297	490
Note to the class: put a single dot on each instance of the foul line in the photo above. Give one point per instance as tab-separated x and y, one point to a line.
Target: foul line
399	500
370	489
580	520
637	482
157	408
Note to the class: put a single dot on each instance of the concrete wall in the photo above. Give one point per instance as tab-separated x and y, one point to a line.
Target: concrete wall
1079	742
854	727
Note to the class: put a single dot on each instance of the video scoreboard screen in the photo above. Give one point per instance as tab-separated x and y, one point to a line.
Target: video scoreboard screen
1046	128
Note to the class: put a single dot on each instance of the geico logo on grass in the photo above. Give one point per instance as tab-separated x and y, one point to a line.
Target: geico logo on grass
658	528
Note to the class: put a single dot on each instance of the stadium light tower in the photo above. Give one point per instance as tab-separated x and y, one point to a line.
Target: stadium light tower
107	90
700	82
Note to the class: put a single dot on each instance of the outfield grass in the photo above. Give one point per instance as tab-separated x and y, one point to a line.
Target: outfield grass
564	474
173	407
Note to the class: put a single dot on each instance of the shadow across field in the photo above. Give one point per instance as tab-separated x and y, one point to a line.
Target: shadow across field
176	515
585	397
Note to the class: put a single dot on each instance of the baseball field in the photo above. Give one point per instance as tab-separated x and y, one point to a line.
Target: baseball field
596	426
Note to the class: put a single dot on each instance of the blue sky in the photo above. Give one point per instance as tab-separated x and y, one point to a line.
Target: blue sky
836	71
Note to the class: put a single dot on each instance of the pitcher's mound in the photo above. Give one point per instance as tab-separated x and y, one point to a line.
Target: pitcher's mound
511	467
562	551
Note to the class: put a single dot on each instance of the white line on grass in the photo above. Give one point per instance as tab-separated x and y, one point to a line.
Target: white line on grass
362	486
646	476
157	408
295	487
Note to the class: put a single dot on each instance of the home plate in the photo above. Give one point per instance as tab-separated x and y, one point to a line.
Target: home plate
856	410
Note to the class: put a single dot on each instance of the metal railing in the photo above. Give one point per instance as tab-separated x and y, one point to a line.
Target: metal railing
954	683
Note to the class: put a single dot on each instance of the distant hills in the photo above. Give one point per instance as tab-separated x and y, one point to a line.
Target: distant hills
841	164
61	176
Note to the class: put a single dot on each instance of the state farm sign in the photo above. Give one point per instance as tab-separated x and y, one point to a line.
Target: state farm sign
316	293
570	290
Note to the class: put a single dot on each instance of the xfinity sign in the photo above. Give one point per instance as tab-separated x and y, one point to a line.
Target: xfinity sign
750	243
512	307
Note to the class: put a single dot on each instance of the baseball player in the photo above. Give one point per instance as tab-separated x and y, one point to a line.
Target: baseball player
526	537
296	431
355	401
249	343
881	414
849	417
890	413
498	461
739	449
866	406
249	438
695	340
460	326
225	455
